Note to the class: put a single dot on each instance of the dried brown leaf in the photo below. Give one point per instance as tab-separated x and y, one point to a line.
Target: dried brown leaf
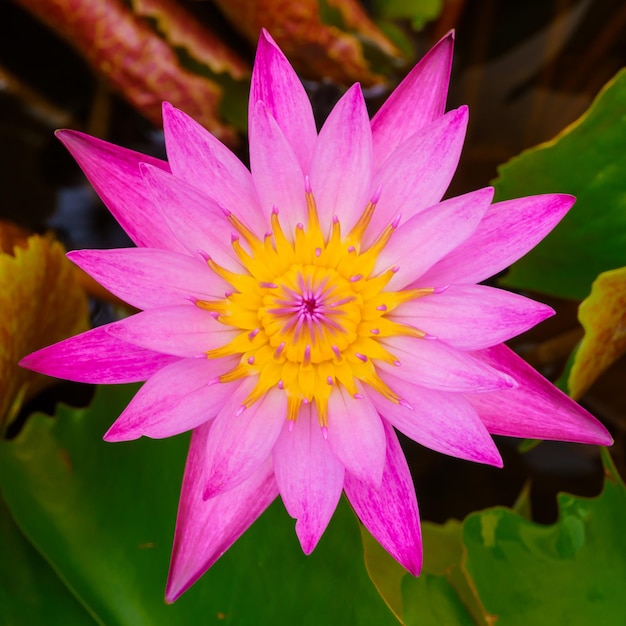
181	30
316	48
125	49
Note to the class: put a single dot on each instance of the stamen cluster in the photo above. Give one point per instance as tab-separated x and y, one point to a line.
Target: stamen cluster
311	310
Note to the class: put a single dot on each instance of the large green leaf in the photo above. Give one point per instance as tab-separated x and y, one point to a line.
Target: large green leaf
103	515
588	160
30	591
498	566
572	572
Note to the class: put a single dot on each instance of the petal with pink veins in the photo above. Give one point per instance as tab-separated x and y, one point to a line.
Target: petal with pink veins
416	102
203	161
433	364
98	358
341	169
444	422
148	278
114	173
472	317
275	83
195	219
428	236
184	331
206	529
276	171
309	476
241	440
356	435
418	171
390	511
536	409
508	231
179	397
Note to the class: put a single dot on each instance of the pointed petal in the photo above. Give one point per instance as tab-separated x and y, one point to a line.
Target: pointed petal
536	409
390	511
309	476
275	83
179	397
114	173
148	278
341	169
196	220
441	421
472	317
205	530
434	365
508	231
424	239
418	100
204	162
356	435
418	172
96	357
276	171
184	331
241	441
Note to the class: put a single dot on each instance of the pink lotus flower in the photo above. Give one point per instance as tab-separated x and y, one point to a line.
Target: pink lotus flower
295	315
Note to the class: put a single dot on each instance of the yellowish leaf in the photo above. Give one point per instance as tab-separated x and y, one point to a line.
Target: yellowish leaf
603	316
41	302
385	572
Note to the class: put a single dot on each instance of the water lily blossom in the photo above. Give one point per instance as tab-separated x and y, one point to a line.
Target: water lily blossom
294	315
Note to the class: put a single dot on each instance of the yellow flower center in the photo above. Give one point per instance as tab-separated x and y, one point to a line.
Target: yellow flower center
310	310
312	314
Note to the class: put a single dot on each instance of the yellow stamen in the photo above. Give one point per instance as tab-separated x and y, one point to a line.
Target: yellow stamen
310	310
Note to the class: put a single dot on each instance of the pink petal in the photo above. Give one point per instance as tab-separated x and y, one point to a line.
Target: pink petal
472	317
276	171
309	476
390	511
196	220
441	421
275	83
426	237
536	409
418	100
204	162
356	436
508	231
114	173
184	331
434	365
148	278
205	530
418	172
179	397
241	440
97	357
341	169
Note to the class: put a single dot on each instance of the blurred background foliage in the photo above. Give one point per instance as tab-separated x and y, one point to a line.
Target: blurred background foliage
547	114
